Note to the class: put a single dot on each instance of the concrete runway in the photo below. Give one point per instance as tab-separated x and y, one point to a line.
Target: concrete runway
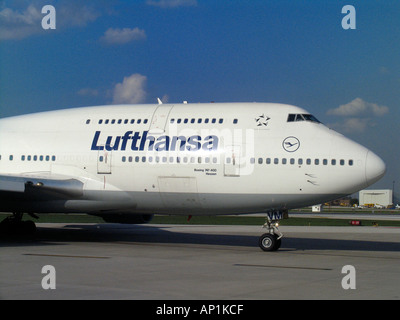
111	261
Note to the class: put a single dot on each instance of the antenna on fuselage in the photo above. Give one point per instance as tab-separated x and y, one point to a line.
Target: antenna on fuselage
159	101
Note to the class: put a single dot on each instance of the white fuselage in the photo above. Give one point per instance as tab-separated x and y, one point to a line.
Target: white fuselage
218	158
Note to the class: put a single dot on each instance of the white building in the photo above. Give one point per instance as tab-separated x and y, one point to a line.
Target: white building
376	197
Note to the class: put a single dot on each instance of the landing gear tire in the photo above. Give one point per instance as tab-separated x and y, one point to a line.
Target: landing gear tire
269	242
14	226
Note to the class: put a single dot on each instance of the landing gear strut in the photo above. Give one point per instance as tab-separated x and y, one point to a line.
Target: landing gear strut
14	225
271	241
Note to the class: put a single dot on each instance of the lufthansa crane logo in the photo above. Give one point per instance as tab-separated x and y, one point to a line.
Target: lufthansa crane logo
291	144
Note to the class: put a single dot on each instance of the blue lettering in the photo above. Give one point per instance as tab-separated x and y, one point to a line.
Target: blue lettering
144	139
162	144
146	142
110	146
95	140
135	138
195	144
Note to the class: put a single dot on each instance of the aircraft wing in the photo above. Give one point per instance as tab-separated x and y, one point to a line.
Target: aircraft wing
38	186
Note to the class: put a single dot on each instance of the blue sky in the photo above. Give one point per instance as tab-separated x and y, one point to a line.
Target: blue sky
296	52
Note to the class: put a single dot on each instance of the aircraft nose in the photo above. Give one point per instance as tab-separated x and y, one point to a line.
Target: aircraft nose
375	168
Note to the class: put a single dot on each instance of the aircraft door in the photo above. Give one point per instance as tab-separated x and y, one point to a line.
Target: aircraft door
104	162
232	161
159	120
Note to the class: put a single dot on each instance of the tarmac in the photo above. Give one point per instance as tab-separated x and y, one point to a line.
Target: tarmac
199	262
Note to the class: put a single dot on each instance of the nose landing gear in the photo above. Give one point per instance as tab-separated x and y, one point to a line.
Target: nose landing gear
271	241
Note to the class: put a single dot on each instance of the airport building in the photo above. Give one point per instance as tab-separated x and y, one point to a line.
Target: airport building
383	197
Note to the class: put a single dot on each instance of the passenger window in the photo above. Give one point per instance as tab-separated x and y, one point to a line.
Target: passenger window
284	160
341	162
276	161
333	162
268	161
308	161
325	162
316	162
260	160
300	161
292	161
350	162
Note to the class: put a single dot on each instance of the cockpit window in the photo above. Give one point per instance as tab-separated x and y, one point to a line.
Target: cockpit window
302	117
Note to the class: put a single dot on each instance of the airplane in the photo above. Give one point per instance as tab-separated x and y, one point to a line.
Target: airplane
125	163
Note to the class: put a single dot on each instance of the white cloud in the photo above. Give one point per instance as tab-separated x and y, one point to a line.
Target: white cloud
17	25
131	90
75	15
172	3
359	107
352	125
121	36
359	115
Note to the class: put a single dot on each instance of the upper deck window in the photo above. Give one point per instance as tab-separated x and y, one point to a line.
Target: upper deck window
302	117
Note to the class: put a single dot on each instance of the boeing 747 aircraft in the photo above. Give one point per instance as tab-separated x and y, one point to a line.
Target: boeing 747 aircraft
126	163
